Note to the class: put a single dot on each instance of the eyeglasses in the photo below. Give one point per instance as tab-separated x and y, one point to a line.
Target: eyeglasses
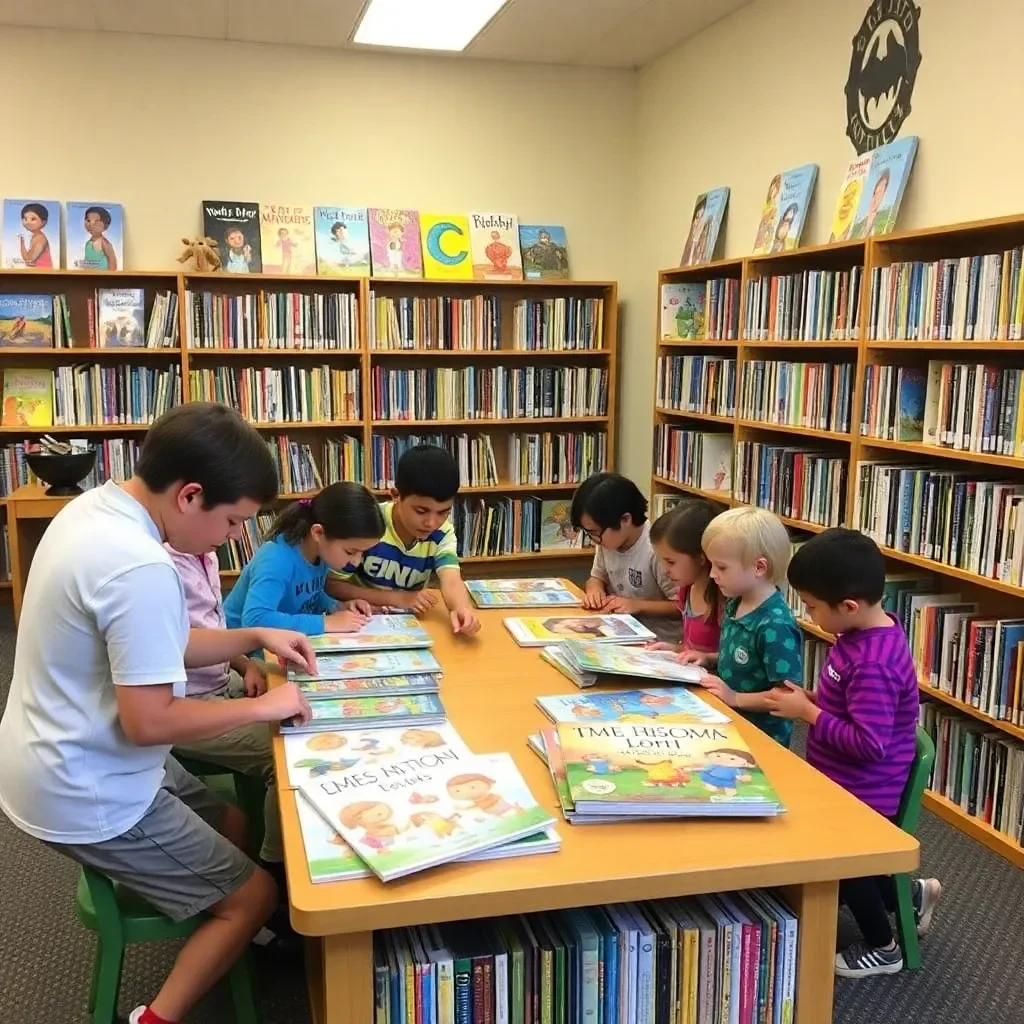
596	535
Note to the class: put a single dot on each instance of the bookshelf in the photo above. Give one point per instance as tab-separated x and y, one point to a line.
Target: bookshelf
878	339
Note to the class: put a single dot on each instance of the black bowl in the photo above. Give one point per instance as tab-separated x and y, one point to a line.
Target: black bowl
62	472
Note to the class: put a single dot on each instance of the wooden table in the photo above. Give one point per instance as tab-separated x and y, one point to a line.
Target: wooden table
29	512
488	688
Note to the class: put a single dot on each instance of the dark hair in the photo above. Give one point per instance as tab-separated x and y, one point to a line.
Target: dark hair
606	498
230	229
338	224
791	209
345	510
211	445
38	209
733	752
839	565
428	471
682	529
101	211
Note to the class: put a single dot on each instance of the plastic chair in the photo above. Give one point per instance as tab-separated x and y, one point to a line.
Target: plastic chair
249	794
907	818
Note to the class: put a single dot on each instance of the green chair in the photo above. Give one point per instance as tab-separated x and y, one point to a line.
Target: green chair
907	818
249	793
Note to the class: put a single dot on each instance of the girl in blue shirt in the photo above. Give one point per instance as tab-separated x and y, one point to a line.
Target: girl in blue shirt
283	585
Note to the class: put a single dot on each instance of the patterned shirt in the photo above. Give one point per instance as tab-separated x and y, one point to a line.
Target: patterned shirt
200	579
759	650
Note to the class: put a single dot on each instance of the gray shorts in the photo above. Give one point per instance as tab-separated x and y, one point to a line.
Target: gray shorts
174	857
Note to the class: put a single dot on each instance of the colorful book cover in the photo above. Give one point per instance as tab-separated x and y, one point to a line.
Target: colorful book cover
540	630
28	398
381	633
705	227
235	227
328	856
545	252
666	502
353	712
26	321
785	210
495	244
286	239
370	664
395	243
663	768
446	254
556	529
631	706
31	234
557	659
95	236
120	317
849	198
682	311
590	656
342	241
540	593
912	389
409	815
887	180
382	686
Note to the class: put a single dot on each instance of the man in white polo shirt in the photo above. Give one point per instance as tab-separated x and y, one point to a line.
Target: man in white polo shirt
97	696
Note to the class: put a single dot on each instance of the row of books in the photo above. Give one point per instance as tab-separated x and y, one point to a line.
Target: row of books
303	467
816	653
489	392
696	384
556	458
814	395
569	324
693	457
808	305
233	555
277	320
706	311
438	323
89	395
487	527
474	454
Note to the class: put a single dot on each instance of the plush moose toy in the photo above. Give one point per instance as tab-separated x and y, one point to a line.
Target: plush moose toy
203	251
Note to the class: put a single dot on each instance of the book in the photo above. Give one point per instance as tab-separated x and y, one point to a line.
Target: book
342	241
556	529
446	254
395	243
328	857
95	238
287	240
120	318
540	630
697	384
338	713
28	398
894	402
31	234
815	395
695	458
616	659
534	593
883	192
545	252
406	816
663	503
26	321
808	305
850	192
380	686
381	633
557	659
494	242
369	665
235	227
682	311
785	210
705	227
631	706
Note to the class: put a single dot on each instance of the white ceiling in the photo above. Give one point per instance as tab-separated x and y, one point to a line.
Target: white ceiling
597	33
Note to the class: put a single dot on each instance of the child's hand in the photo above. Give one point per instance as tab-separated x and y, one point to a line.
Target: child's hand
415	601
255	679
660	645
344	622
719	687
282	703
790	701
358	605
464	620
615	605
593	600
700	658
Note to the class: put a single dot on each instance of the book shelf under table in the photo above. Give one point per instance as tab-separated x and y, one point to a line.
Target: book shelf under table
489	687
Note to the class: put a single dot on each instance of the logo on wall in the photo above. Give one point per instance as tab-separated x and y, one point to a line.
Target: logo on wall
883	69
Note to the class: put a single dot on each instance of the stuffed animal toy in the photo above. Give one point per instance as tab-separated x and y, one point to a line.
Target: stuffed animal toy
203	251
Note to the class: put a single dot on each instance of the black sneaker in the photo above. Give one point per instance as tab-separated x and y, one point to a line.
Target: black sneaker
860	961
925	893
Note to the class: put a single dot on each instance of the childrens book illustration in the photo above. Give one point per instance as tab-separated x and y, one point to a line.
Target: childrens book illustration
370	664
682	311
666	502
286	239
539	593
446	253
912	390
631	706
395	243
545	252
559	660
31	234
342	241
349	712
407	815
849	198
381	633
95	236
588	656
556	529
540	630
28	398
120	317
235	227
383	686
785	210
328	856
26	321
705	227
886	182
495	243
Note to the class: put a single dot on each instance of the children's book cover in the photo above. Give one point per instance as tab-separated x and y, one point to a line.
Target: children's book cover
95	236
26	321
342	241
682	311
849	198
589	656
495	245
545	252
407	815
446	252
235	227
912	390
328	856
286	239
705	227
557	659
31	234
666	502
370	664
28	398
351	712
395	243
539	593
631	706
381	633
887	180
785	210
556	529
539	630
680	768
382	686
120	317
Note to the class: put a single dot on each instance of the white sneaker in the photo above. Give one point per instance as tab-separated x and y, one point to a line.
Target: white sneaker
926	893
860	961
136	1015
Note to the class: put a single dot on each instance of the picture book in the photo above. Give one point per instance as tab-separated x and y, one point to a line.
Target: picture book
556	529
539	593
120	317
355	712
286	239
407	815
31	234
235	227
28	398
495	244
665	503
342	241
382	686
682	769
328	857
682	311
395	243
95	236
631	706
540	630
545	252
911	385
557	659
446	253
589	656
785	210
849	198
26	321
381	633
705	227
369	665
886	182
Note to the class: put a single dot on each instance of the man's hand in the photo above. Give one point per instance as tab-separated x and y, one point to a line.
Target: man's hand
415	601
719	687
291	647
464	621
359	606
788	700
594	597
344	622
284	702
615	605
254	678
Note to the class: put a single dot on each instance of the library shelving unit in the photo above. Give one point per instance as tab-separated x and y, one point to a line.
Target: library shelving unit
888	301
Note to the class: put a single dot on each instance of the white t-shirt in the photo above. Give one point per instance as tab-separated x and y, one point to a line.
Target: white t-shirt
103	607
637	573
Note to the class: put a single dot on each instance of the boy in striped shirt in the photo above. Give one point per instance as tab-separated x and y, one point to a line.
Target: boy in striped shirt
862	720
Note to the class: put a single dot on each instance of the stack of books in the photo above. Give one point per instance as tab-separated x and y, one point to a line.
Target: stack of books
584	662
534	593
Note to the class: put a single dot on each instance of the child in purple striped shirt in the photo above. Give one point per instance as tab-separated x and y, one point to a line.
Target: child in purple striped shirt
862	720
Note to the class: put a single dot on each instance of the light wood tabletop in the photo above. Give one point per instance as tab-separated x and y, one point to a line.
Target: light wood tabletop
488	689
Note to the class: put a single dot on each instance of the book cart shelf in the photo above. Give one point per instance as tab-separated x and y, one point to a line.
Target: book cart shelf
994	597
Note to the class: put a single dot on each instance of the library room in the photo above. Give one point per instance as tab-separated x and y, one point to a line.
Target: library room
431	427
